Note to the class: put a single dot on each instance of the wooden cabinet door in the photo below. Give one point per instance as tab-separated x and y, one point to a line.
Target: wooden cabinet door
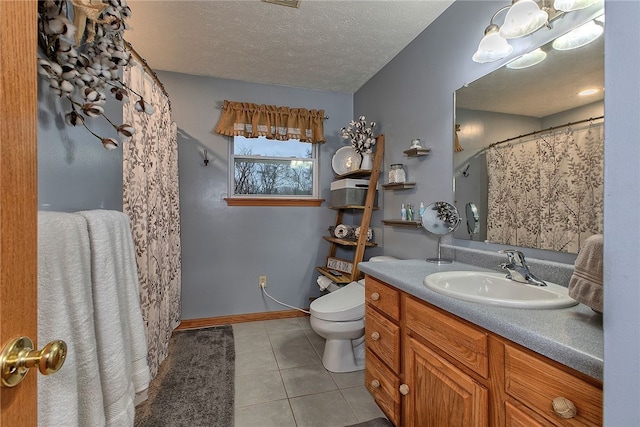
439	394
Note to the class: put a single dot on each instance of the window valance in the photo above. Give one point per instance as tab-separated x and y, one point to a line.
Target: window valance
282	123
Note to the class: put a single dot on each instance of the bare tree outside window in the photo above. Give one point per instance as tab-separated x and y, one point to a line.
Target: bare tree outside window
273	168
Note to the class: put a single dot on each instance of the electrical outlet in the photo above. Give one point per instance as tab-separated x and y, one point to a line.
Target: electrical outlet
262	281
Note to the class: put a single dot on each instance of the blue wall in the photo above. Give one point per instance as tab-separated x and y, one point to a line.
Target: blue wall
412	97
621	201
225	248
75	172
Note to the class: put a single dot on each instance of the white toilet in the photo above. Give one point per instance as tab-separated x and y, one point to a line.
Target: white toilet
339	318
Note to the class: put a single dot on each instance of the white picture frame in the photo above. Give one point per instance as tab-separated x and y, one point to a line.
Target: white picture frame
341	265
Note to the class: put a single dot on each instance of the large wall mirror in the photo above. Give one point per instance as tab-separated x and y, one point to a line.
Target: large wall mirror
531	169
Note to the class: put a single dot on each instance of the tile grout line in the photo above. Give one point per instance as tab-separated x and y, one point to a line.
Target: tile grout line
316	350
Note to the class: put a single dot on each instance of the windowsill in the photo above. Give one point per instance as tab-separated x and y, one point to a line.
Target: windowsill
267	201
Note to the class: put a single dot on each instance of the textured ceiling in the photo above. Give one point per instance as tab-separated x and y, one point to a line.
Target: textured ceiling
544	89
324	45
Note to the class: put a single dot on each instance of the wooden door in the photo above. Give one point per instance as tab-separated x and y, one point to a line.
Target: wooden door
18	197
439	394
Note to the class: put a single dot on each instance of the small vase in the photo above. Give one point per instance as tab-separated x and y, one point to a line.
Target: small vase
366	163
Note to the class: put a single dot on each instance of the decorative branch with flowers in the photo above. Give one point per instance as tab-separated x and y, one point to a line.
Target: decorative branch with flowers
360	134
82	60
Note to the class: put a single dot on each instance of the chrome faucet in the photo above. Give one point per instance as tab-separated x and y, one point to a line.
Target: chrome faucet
517	268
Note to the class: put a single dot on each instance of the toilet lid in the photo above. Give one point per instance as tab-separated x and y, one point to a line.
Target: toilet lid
347	303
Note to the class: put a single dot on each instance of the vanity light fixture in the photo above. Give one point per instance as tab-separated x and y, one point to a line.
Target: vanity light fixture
523	18
528	60
571	5
493	46
579	37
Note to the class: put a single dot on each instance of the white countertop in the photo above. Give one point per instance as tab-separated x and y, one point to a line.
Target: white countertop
572	336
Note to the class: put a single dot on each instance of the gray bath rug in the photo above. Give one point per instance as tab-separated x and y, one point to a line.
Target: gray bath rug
195	383
376	422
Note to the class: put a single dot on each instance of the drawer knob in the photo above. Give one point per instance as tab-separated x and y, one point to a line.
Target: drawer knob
375	383
564	407
404	389
375	336
375	296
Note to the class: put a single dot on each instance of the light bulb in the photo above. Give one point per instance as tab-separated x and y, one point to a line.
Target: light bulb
492	47
523	18
571	5
583	35
528	60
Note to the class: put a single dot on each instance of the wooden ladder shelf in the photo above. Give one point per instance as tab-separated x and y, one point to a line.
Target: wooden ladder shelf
361	243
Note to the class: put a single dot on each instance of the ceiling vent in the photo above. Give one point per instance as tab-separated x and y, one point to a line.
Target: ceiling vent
290	3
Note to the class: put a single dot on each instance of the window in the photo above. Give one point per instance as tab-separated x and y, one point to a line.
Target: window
262	168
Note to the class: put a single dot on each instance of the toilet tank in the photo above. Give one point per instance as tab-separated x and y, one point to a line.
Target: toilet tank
382	258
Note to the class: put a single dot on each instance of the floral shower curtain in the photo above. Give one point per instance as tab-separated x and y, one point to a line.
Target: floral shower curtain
547	191
151	199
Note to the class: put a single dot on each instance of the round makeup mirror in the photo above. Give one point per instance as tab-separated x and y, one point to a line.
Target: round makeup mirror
473	219
440	219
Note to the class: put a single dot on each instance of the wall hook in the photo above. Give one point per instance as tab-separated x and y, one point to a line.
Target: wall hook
206	158
465	172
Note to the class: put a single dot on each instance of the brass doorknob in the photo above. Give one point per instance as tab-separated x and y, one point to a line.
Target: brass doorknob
18	356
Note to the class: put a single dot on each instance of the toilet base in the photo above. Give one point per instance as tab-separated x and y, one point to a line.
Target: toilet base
342	355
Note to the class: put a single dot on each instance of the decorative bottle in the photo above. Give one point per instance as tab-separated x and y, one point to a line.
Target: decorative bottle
409	212
421	211
403	213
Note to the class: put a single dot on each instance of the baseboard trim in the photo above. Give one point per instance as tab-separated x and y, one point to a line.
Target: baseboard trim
238	318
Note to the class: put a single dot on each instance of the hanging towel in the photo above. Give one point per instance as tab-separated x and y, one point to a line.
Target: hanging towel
122	349
72	396
586	284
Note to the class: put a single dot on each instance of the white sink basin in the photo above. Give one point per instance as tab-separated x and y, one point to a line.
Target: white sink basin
496	289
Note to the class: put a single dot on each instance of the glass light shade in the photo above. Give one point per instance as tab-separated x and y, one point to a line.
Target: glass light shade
528	60
523	18
579	37
571	5
491	48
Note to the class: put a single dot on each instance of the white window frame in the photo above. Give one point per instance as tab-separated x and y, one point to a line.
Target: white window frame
315	175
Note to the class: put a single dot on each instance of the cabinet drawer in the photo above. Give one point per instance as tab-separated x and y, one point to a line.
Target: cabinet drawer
383	386
463	342
383	297
382	336
535	382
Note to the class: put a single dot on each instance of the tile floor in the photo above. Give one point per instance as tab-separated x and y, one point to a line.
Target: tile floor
280	380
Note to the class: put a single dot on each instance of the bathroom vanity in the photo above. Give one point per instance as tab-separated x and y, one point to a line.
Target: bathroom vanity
433	360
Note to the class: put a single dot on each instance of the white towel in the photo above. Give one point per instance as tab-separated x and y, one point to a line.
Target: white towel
324	282
72	396
122	348
586	284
